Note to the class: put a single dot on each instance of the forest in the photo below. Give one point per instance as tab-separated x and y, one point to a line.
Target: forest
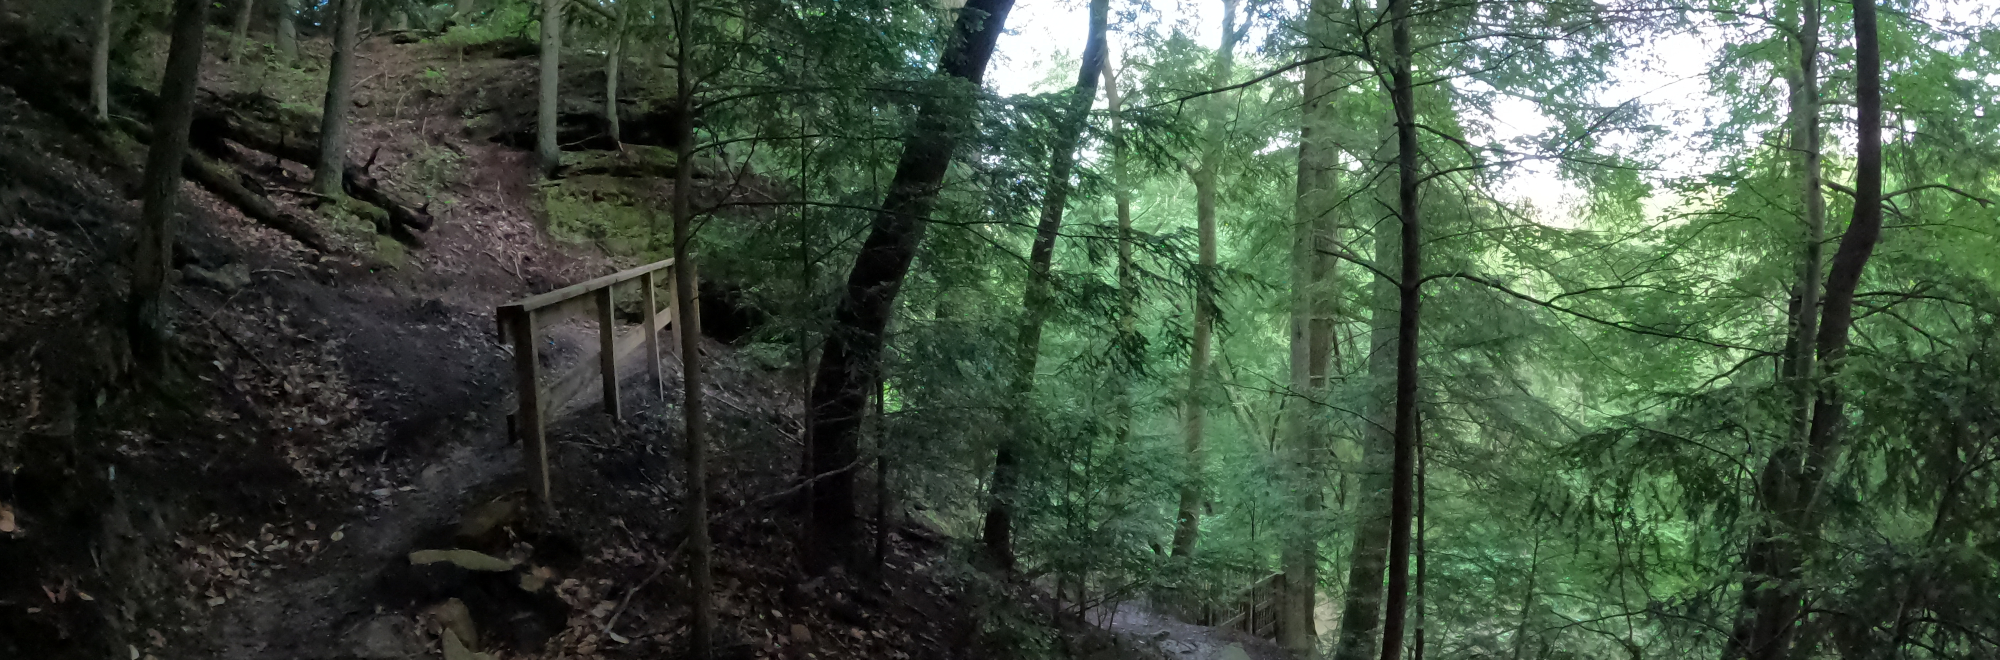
1342	329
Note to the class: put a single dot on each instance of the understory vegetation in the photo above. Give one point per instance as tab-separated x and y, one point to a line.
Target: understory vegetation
1465	329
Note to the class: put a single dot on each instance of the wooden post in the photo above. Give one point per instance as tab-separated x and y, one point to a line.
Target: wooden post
652	328
607	350
674	313
528	419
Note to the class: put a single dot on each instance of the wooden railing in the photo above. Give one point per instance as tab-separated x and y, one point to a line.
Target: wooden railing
1257	610
521	324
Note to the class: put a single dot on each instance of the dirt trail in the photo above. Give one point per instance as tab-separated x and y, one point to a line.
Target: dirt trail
1179	640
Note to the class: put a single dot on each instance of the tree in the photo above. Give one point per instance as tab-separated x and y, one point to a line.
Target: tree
100	63
1194	413
159	191
700	548
1311	328
1403	96
613	57
854	343
328	172
288	31
998	530
1792	491
241	33
548	152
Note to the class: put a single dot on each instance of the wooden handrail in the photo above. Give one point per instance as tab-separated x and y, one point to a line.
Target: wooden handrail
521	323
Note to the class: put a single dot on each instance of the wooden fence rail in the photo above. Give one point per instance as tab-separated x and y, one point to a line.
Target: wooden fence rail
1255	610
521	323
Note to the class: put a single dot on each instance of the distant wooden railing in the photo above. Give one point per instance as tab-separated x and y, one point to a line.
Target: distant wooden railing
1255	610
521	323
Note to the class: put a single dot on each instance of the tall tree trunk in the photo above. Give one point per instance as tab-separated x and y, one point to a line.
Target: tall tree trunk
1403	97
700	581
854	341
1795	501
159	191
1423	566
100	63
1127	340
242	31
1194	415
1765	630
548	153
998	532
339	97
1311	338
288	31
612	59
1361	610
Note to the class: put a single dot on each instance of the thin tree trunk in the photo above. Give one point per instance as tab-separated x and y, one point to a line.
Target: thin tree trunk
1765	628
700	581
242	31
998	531
1423	573
1126	343
288	31
1361	611
1187	530
880	568
339	97
854	342
1795	502
100	63
1403	97
612	59
160	189
548	153
1310	339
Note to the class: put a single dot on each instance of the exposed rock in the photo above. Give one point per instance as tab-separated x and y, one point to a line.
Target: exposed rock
466	559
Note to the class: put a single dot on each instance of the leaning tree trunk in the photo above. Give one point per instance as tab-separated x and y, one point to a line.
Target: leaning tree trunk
100	63
548	152
152	258
1770	636
1765	627
998	531
1403	97
854	342
288	31
614	57
242	31
328	171
1187	527
1311	337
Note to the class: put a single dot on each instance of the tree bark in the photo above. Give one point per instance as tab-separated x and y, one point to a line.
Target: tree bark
612	60
1764	630
160	189
548	152
854	344
1403	97
242	31
330	167
1361	611
1310	338
701	581
1194	416
100	63
1127	342
998	530
288	31
221	180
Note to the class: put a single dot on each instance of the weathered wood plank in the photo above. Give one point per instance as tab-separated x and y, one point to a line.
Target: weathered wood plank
572	383
528	419
607	349
650	300
538	301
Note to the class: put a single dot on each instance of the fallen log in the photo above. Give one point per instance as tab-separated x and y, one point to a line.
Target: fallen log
218	178
219	120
